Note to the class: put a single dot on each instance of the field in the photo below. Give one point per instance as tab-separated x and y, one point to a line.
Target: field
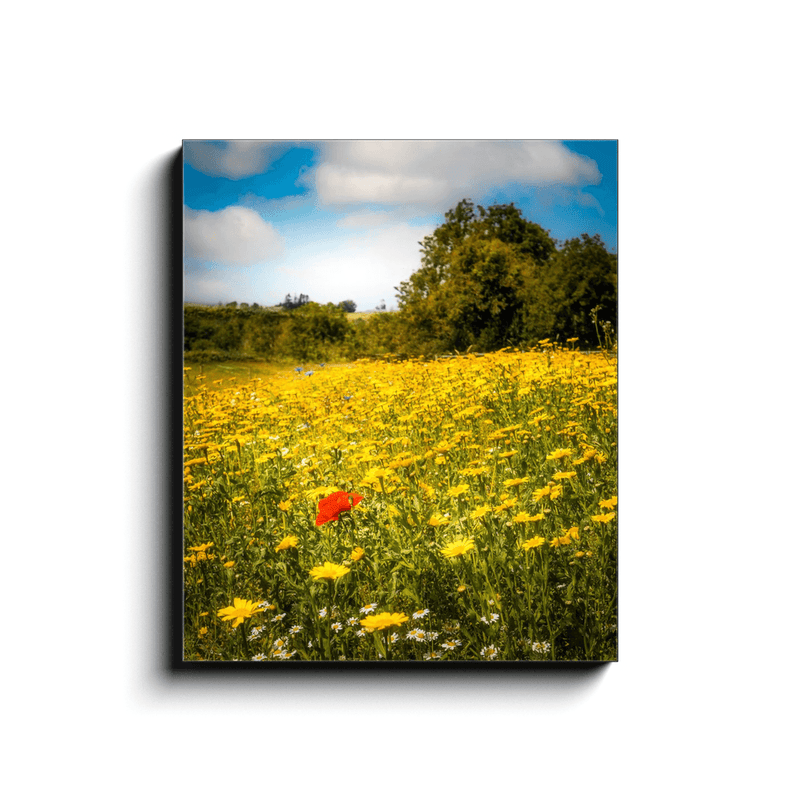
454	510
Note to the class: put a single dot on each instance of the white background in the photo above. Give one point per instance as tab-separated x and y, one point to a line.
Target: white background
703	701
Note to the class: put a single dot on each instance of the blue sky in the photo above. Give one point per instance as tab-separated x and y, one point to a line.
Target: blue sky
341	220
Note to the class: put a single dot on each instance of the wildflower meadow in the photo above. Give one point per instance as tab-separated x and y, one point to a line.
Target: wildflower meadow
458	509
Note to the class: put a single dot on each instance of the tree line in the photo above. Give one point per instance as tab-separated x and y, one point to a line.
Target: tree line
488	279
310	332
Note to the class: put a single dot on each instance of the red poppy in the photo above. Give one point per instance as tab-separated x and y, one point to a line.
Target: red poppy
331	506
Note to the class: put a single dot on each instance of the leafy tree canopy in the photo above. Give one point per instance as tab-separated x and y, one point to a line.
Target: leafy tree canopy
580	276
489	278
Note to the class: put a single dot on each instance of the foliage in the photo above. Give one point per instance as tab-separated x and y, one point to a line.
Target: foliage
313	332
580	276
348	306
225	332
376	335
493	279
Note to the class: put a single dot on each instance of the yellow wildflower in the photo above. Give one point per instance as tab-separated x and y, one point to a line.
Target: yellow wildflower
536	541
524	516
479	512
512	501
377	622
328	571
357	553
438	519
604	517
239	611
610	503
430	492
286	543
458	548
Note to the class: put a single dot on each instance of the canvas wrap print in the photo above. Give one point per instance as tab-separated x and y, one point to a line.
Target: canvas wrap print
400	401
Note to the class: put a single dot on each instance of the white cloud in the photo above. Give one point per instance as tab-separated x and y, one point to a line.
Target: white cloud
273	206
234	159
365	219
430	174
568	196
234	236
589	201
338	183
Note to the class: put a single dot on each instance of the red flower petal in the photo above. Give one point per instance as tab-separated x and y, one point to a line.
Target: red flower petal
331	506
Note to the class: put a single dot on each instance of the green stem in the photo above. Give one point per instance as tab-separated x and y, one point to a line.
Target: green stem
245	652
328	622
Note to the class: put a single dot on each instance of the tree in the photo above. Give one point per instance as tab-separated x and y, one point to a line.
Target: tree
484	297
470	287
492	279
502	222
580	276
348	306
290	303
